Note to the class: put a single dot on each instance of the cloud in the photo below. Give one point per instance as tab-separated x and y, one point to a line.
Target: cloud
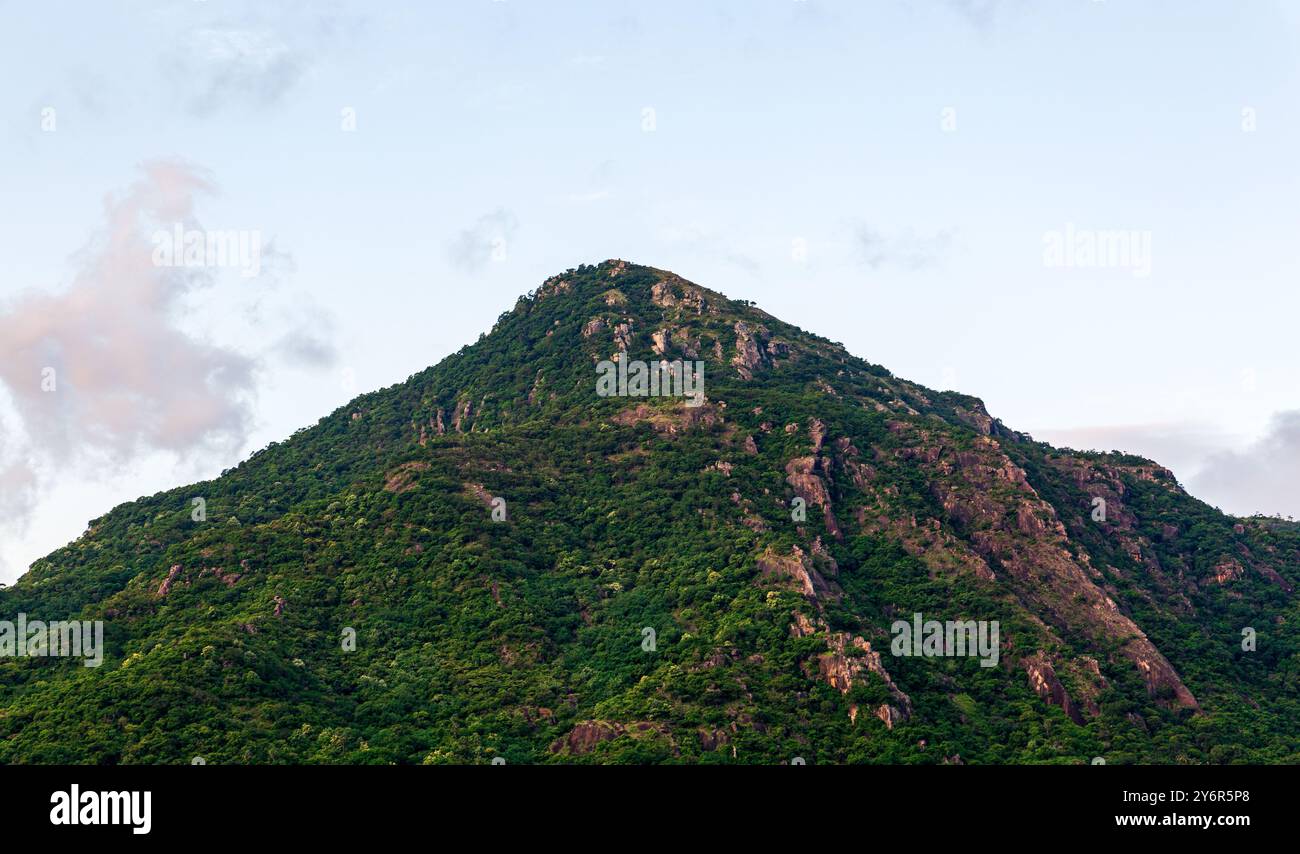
102	372
707	244
599	186
17	491
106	376
307	348
1180	447
242	54
906	250
1262	477
1239	477
220	66
487	239
978	13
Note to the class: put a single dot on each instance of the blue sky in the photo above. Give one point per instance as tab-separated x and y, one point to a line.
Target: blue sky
921	154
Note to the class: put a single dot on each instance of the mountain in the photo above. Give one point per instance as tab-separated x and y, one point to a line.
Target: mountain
492	559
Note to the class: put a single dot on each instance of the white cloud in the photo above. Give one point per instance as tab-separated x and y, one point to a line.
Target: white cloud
219	66
705	243
103	367
489	237
1260	478
979	13
905	250
1238	476
106	372
1180	447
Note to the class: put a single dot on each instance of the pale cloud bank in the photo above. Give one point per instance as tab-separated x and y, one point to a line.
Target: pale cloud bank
1239	476
105	372
1260	478
102	367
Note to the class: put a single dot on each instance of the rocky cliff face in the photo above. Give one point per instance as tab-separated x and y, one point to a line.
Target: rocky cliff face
530	570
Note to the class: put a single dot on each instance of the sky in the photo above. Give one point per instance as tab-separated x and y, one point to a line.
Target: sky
1083	212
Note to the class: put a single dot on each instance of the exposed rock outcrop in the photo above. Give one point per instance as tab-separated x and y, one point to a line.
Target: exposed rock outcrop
847	659
585	735
674	418
750	349
402	478
802	475
166	586
1043	681
796	567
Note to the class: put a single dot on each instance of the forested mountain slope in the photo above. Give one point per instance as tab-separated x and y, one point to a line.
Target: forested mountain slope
533	571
